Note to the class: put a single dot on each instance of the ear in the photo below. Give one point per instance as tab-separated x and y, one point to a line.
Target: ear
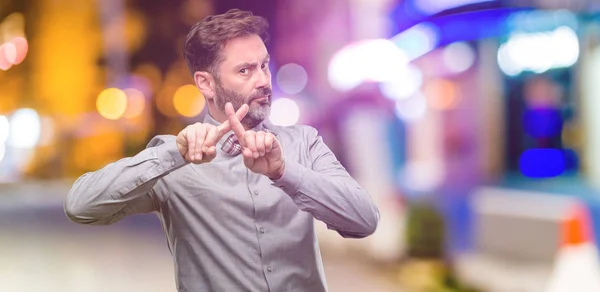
205	83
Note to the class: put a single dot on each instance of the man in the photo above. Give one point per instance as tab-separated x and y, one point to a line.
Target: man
236	196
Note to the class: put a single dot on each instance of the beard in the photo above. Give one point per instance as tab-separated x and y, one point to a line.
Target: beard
257	111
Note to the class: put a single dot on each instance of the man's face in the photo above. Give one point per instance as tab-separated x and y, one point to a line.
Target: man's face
244	77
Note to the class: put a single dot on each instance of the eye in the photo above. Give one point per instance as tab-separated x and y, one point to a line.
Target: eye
264	65
244	71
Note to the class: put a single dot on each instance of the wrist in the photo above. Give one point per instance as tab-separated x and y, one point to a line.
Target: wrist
278	174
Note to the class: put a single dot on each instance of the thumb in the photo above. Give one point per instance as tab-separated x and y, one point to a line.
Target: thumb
248	158
211	153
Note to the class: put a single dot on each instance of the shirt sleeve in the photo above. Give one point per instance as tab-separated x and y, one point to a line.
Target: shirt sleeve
123	187
328	192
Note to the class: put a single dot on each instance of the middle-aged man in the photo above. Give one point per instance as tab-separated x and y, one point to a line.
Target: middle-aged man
236	196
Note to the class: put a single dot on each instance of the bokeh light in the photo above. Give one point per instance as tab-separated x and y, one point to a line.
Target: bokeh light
342	73
458	57
423	176
442	94
377	60
47	131
10	53
136	102
417	40
539	52
411	109
25	128
4	129
542	122
506	63
13	24
292	78
403	85
21	49
134	81
542	162
380	60
112	103
188	101
164	100
5	64
284	112
2	151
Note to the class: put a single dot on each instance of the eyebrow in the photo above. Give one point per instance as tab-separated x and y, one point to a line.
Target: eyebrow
252	65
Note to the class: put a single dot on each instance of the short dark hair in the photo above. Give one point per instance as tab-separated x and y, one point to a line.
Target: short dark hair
207	38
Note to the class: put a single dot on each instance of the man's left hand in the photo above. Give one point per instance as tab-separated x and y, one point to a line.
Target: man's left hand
261	150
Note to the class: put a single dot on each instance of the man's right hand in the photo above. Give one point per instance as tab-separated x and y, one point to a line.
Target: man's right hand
197	142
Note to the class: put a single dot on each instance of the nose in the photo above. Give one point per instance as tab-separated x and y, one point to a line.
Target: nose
263	79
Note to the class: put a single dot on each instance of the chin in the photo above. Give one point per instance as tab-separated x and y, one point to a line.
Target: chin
259	112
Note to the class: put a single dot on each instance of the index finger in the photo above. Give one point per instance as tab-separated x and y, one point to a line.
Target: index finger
226	126
234	122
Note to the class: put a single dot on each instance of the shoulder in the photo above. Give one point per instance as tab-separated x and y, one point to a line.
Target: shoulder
161	139
294	132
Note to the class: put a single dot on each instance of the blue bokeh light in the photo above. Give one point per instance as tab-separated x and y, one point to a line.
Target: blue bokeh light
542	163
542	123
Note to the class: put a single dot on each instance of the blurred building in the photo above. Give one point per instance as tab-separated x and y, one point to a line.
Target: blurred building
422	100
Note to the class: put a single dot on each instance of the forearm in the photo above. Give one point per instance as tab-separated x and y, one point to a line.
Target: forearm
100	197
331	196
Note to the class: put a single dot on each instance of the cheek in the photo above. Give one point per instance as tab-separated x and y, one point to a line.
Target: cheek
245	90
240	86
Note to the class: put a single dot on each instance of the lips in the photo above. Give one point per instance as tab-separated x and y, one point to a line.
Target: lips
260	98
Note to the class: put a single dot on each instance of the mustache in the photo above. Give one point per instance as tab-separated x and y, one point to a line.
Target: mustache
264	91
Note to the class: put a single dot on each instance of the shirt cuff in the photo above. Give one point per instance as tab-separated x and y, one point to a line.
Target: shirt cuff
292	178
169	156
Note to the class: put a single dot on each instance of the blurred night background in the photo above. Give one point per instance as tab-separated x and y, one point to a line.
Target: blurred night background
472	124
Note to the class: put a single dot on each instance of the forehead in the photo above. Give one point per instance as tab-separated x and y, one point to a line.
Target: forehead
246	49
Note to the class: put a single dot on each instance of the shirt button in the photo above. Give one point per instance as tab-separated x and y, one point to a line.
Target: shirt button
262	230
256	192
269	269
172	162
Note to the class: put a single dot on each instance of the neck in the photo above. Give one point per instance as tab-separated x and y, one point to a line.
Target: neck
221	117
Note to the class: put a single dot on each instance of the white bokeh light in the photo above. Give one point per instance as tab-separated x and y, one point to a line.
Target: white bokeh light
417	40
539	52
411	109
404	85
292	78
381	60
25	129
567	42
342	73
4	129
458	57
506	63
2	151
423	176
284	112
377	60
